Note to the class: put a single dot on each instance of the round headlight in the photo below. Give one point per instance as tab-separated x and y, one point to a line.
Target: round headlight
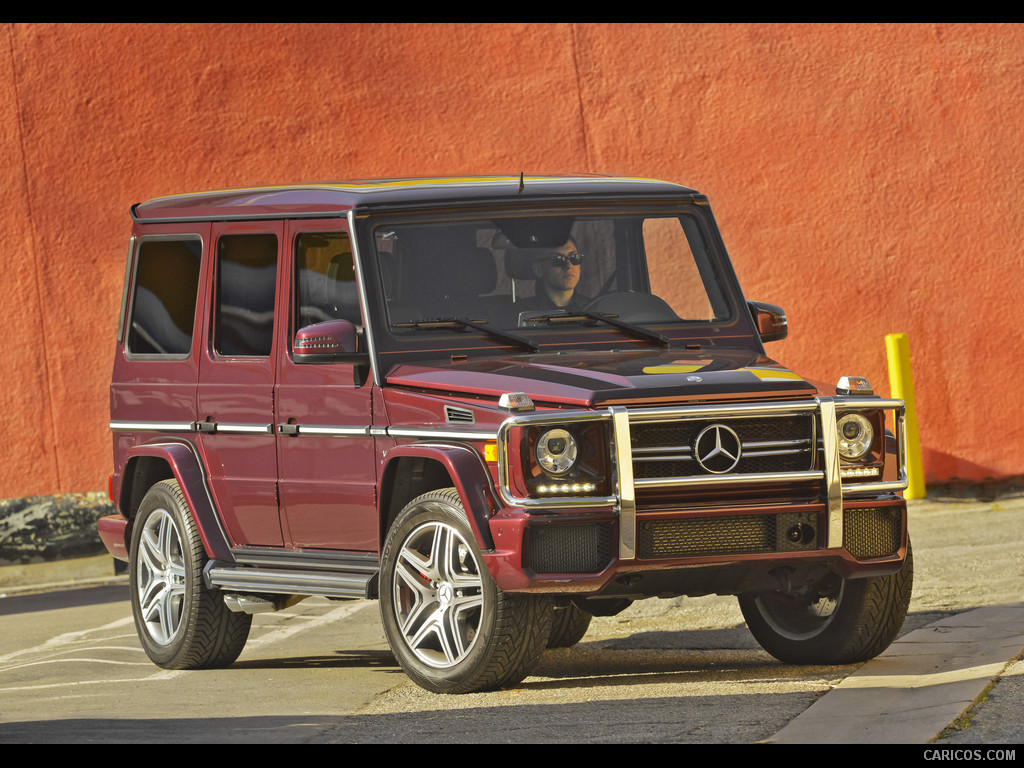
855	436
556	451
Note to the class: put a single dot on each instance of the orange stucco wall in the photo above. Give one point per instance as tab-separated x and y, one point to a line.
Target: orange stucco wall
866	178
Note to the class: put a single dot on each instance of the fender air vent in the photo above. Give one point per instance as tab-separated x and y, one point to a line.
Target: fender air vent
455	415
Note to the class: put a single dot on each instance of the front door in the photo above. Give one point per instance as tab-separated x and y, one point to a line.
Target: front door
325	449
236	380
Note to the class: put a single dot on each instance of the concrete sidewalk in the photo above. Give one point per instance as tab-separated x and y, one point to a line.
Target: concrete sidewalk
925	682
59	574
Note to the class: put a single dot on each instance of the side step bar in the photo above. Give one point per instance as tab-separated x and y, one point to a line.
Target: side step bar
236	578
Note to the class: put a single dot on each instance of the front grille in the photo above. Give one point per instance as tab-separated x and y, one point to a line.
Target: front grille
727	535
873	531
768	444
569	547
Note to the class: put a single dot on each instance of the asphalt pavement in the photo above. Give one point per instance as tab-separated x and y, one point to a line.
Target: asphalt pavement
957	680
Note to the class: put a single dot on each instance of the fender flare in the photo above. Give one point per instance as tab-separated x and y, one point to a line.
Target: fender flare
469	475
187	470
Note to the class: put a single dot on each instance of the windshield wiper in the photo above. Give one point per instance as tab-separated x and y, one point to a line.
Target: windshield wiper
575	317
458	322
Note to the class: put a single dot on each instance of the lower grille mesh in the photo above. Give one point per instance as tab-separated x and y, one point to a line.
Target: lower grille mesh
873	532
570	547
726	535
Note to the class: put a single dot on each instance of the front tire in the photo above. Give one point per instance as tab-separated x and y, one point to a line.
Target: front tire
852	621
181	624
449	625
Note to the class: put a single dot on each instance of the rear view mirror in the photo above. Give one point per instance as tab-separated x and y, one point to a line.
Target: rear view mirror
325	342
771	320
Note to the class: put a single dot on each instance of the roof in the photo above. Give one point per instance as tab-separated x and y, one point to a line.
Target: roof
329	199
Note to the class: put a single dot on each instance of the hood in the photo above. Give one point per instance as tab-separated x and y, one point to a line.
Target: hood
588	379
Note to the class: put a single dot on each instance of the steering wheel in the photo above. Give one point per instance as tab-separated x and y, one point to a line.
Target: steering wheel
632	307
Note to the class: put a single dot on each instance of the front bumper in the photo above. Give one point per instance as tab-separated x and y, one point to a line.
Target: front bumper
747	523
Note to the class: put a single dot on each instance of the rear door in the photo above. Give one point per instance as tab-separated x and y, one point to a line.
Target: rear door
236	380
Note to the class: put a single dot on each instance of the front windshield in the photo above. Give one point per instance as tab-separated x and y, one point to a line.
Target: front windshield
523	275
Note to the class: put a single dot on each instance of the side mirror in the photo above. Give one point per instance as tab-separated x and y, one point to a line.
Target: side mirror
771	320
325	342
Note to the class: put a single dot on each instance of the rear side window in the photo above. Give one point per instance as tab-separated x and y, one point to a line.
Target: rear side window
164	297
246	281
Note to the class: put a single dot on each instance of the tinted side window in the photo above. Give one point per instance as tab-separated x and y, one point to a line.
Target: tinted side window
325	279
244	305
164	300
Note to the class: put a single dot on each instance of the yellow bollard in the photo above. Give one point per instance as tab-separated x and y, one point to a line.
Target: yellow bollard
901	384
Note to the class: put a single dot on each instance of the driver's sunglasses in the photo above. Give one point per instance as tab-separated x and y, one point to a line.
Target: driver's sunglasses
564	259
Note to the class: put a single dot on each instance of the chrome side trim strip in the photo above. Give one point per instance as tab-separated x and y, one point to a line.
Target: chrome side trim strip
449	434
328	430
332	430
244	429
342	430
153	426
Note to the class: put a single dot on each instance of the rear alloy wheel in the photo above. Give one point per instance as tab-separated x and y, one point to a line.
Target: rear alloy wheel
181	624
852	620
449	625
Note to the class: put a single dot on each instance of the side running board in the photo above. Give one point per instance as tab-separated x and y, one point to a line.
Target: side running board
346	577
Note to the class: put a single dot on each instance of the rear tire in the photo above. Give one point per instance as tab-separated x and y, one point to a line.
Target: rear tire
853	621
568	626
181	624
449	625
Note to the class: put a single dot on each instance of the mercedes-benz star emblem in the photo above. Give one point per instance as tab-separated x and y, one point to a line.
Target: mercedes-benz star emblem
445	593
718	449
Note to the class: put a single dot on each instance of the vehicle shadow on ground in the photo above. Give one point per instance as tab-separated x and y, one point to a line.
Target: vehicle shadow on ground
627	660
226	730
67	598
682	656
692	719
358	659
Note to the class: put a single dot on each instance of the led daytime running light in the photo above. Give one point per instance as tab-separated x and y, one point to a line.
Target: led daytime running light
566	488
858	472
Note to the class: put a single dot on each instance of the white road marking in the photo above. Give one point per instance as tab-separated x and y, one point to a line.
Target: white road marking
274	635
66	639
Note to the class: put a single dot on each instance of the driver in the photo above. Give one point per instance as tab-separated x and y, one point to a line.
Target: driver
558	272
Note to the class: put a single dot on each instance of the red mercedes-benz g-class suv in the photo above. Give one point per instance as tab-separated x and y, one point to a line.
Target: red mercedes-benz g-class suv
498	405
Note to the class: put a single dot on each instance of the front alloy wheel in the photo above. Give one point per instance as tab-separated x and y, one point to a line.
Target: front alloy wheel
438	595
449	625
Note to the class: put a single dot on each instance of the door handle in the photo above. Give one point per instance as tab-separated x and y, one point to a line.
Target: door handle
288	429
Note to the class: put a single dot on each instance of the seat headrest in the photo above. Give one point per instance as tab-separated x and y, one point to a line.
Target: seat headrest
476	270
519	264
